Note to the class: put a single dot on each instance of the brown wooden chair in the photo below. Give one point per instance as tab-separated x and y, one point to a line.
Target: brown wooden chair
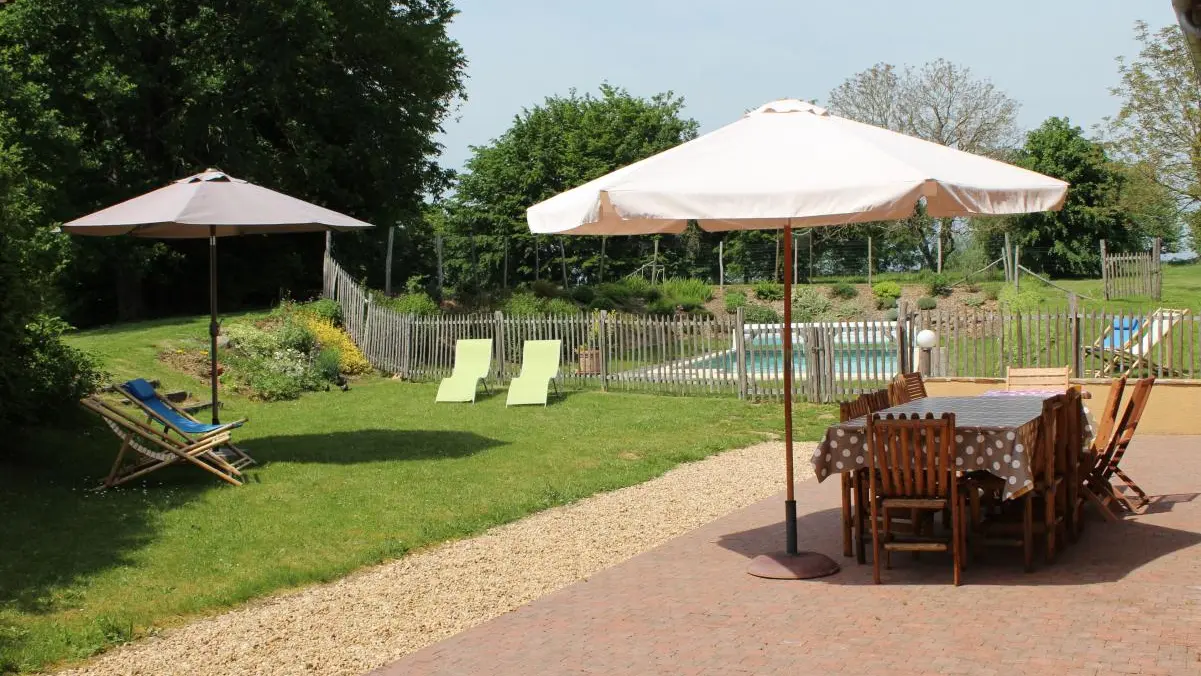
849	410
1038	378
1098	484
911	468
1106	421
878	400
915	388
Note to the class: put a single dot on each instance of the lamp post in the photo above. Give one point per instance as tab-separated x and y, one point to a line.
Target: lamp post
926	340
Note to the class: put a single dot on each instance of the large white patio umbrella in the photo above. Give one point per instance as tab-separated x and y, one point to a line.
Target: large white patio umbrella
785	165
211	204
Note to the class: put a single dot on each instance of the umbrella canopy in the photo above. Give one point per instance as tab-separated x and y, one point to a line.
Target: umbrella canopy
211	203
793	163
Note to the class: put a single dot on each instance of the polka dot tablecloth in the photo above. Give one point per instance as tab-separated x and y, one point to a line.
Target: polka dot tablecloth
995	434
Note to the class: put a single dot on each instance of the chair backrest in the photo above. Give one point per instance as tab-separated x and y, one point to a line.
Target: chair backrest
1121	334
1035	378
143	438
540	358
1134	413
1050	456
1159	324
914	387
143	395
1109	413
911	456
897	392
1108	455
878	400
856	408
473	358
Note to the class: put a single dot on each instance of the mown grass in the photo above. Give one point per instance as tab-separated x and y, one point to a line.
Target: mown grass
347	479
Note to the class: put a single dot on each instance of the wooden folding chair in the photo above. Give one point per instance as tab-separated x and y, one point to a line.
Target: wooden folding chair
162	411
1099	483
153	449
911	468
1038	378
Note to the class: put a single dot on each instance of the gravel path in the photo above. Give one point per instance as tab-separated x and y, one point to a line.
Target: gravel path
377	615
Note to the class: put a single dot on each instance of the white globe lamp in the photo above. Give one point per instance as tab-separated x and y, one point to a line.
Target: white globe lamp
927	339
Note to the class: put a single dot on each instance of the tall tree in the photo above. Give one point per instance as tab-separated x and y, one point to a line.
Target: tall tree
336	102
562	143
1064	243
940	102
1159	125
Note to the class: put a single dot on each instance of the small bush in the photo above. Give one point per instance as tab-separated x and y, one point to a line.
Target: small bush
847	311
973	301
417	284
759	314
926	303
891	315
734	300
524	304
1024	300
602	303
808	305
293	335
545	289
561	306
53	375
885	303
938	285
583	294
617	292
250	340
686	291
328	364
351	360
418	303
769	291
887	290
992	294
661	306
639	287
971	287
843	291
325	308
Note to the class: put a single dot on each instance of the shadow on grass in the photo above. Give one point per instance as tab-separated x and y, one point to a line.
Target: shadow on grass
59	532
1105	553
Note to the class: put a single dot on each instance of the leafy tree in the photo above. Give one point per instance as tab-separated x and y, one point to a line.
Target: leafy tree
334	102
552	147
1158	128
1064	243
940	102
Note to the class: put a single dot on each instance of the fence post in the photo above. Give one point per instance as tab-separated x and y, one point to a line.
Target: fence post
602	341
1156	262
499	344
1017	266
1074	331
721	264
1104	271
902	356
740	352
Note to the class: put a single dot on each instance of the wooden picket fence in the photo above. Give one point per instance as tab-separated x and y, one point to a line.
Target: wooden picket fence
1126	275
726	355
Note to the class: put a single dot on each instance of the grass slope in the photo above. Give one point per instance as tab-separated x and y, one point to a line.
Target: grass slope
348	479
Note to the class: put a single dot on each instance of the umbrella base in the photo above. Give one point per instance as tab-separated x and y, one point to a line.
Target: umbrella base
799	566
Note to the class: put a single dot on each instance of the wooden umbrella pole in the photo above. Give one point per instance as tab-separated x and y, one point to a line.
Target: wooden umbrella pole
790	499
213	328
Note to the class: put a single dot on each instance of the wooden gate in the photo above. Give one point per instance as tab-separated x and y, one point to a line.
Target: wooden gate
1133	274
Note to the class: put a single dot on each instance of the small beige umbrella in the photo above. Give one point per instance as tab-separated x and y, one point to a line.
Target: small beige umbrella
211	204
792	164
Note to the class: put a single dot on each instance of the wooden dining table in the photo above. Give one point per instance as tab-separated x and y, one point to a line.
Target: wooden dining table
995	432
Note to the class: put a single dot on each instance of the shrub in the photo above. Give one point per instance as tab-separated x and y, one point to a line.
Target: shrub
281	375
847	311
734	300
640	287
885	303
686	289
524	304
887	290
926	303
1024	300
250	340
602	303
991	294
418	303
561	306
843	291
973	301
759	314
661	306
891	315
417	284
351	360
583	294
769	291
543	288
324	308
617	292
294	335
808	305
52	373
328	364
938	285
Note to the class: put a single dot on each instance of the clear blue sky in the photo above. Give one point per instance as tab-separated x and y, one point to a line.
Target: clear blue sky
1056	57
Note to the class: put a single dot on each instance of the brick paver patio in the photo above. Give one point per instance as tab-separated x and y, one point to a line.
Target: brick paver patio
1125	600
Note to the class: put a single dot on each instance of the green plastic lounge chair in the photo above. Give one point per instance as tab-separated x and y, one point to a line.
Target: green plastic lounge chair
473	360
539	368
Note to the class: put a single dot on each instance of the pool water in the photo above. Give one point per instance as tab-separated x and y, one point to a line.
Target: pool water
849	362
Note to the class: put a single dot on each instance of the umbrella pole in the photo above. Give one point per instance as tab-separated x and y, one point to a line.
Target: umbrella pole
790	564
213	328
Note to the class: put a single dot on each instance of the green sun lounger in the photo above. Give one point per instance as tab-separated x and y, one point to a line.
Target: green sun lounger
473	361
539	368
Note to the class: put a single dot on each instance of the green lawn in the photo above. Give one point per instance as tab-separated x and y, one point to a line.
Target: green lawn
347	479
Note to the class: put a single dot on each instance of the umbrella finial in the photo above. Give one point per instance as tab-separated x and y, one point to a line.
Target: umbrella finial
790	106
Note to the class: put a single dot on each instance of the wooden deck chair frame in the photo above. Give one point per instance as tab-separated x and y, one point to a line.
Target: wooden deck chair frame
1132	355
1095	487
243	459
1108	464
902	478
157	449
1055	377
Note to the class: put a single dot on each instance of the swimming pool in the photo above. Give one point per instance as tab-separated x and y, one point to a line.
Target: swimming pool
849	362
